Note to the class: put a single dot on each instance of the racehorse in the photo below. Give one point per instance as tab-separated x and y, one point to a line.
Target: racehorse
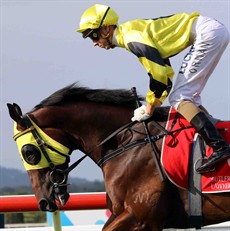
97	122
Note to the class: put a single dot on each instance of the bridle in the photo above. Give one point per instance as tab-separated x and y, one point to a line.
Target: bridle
57	176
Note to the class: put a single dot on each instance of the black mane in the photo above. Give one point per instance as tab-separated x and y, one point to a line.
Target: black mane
74	93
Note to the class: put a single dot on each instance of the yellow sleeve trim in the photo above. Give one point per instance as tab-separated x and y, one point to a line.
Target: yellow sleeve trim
152	100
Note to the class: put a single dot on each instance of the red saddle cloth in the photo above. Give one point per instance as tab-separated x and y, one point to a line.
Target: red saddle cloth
176	153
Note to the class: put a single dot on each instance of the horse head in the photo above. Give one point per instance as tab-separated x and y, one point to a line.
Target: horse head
69	119
44	158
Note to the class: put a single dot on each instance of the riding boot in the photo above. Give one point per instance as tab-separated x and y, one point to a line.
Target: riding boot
212	138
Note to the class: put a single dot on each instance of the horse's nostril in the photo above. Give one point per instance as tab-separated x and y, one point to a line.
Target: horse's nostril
43	204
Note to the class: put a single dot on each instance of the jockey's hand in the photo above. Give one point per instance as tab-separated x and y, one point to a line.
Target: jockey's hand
140	114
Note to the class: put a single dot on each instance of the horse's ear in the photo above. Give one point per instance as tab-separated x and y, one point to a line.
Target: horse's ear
15	113
18	109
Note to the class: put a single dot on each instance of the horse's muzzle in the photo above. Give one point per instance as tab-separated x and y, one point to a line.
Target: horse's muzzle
50	205
45	205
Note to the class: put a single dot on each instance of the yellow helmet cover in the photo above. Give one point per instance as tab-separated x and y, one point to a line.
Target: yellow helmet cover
94	17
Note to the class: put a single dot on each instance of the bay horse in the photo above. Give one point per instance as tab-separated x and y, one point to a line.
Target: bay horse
97	122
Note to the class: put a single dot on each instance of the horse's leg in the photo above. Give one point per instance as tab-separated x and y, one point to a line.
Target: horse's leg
126	222
110	220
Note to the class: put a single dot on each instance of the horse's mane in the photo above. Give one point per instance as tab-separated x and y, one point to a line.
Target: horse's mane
75	93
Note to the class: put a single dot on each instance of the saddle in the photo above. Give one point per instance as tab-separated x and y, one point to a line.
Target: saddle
177	151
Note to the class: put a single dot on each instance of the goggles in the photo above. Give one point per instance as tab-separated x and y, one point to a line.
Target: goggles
93	34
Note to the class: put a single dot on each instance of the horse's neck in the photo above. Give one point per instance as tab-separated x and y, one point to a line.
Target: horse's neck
87	123
101	121
96	122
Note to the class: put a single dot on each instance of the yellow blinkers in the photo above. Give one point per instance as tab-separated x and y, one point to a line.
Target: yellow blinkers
57	154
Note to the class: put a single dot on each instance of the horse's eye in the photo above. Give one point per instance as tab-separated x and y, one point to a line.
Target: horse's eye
31	154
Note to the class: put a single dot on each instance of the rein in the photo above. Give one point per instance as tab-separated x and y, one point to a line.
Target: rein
133	144
123	148
76	163
126	147
138	142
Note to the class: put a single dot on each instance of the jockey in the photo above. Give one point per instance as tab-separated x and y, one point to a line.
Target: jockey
154	41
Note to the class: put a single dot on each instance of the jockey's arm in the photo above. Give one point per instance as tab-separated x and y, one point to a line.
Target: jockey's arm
159	71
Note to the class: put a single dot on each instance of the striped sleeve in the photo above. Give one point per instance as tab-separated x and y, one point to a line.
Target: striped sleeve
158	69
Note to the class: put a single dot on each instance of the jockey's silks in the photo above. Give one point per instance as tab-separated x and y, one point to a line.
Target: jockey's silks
153	41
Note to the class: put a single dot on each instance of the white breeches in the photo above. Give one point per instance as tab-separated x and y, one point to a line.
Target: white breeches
210	40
